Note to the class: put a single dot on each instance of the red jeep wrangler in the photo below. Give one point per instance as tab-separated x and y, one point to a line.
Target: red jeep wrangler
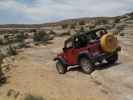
86	49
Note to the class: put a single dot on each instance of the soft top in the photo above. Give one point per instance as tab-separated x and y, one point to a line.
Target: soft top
85	33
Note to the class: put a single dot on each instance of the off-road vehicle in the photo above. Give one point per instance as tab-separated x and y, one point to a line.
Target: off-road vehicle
86	49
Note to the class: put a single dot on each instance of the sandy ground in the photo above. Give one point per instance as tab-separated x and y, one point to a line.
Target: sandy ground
34	72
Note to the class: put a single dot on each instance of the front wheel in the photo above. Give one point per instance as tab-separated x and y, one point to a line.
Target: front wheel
86	65
61	68
112	59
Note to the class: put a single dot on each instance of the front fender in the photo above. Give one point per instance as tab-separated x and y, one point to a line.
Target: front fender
60	59
83	54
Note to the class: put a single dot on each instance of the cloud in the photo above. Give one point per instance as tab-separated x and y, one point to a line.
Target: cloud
40	11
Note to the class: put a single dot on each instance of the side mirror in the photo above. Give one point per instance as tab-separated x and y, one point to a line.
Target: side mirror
64	49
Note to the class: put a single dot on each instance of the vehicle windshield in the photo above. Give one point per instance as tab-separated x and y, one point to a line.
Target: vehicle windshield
68	44
100	33
80	41
95	35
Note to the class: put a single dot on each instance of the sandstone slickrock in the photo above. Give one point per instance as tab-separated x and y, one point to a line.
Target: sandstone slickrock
36	74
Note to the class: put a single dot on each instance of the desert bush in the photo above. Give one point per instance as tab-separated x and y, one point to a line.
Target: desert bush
1	41
20	37
6	39
51	37
131	18
122	34
81	23
21	45
13	93
116	32
117	20
65	34
64	26
31	97
2	76
72	26
82	29
92	26
33	30
101	22
45	38
40	37
12	51
52	32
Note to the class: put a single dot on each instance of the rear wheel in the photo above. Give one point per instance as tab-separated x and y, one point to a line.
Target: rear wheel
61	68
112	59
86	65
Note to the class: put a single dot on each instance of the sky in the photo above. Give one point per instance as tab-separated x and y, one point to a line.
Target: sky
42	11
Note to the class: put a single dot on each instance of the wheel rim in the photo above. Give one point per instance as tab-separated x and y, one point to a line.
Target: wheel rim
85	64
59	67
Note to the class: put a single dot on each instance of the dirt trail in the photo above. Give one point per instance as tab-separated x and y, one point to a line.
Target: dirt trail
35	73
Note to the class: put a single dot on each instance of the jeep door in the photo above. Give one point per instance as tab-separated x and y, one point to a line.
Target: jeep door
70	53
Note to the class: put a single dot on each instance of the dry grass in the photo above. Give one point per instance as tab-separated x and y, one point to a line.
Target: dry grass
31	97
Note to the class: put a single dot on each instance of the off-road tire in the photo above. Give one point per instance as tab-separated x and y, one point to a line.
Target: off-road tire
62	69
86	65
112	59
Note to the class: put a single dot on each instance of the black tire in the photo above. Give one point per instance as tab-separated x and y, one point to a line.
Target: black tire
112	59
86	65
62	69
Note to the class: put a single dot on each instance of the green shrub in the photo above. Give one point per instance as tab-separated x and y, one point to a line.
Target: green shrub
82	29
65	34
81	23
1	41
64	26
12	51
52	32
117	20
101	22
40	37
72	26
122	34
20	37
31	97
2	75
92	26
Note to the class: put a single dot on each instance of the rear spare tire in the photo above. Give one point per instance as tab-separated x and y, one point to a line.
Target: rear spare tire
109	42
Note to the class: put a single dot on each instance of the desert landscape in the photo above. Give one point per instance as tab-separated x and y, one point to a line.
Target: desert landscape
27	52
